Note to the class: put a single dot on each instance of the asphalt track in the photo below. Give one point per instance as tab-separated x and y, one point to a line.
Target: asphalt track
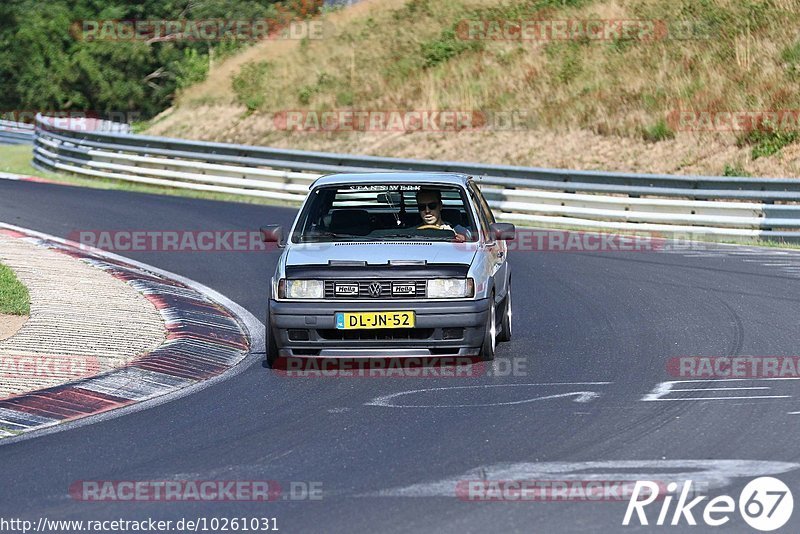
607	320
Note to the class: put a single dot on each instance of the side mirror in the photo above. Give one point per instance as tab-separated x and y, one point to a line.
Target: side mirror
503	231
272	233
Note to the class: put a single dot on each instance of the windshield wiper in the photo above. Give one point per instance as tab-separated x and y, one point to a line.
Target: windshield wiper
325	233
416	237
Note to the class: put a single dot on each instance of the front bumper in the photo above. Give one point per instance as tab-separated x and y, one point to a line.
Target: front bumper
442	328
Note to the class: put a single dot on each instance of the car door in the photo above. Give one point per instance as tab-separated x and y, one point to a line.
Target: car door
496	249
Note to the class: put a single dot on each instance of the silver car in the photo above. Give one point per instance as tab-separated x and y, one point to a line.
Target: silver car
390	265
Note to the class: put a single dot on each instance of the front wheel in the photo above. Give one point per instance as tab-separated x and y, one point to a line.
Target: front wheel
505	326
490	334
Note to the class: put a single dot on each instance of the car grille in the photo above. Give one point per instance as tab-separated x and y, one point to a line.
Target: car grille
377	334
367	289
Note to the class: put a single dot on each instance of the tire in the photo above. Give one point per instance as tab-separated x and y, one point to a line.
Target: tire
505	323
490	334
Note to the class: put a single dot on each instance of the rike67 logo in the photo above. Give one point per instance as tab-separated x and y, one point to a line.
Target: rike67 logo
765	504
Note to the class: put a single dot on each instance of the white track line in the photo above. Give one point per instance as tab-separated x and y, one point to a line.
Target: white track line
718	389
725	398
581	396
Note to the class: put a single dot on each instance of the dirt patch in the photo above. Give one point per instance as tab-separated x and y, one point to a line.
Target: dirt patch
685	154
9	324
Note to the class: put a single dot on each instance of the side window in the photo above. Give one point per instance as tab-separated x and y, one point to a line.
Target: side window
476	199
484	207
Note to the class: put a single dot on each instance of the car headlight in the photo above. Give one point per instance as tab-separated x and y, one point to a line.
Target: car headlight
450	288
304	289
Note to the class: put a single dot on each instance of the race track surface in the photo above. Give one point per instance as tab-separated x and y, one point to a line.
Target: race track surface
600	326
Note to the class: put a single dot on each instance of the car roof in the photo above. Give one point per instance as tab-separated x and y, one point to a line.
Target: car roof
443	178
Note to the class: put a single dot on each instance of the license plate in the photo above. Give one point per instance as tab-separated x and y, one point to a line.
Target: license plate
362	320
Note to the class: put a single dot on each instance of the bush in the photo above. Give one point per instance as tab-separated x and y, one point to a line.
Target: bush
791	60
735	170
324	81
47	62
249	85
192	69
767	141
660	131
305	94
447	46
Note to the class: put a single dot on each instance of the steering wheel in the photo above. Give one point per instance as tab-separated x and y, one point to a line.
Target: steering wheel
429	227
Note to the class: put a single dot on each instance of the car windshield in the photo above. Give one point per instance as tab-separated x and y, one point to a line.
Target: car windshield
385	212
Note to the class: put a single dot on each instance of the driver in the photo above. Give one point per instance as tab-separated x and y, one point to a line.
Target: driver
429	203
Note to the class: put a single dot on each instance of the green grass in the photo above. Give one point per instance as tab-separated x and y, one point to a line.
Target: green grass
445	47
247	84
791	60
17	159
735	170
14	297
660	131
768	142
768	243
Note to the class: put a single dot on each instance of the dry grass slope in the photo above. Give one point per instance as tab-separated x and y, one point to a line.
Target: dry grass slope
591	104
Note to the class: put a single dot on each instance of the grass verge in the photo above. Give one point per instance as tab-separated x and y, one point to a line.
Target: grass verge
14	297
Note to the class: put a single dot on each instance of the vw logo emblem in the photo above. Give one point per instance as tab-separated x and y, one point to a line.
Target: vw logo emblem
375	289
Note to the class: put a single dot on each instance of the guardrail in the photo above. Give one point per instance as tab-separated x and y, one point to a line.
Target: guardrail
16	133
729	207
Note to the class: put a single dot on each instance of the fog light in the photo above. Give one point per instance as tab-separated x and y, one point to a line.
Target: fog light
298	335
452	333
